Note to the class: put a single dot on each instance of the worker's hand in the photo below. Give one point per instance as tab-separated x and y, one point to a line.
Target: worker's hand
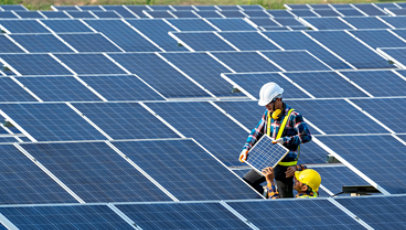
243	155
268	173
290	172
279	141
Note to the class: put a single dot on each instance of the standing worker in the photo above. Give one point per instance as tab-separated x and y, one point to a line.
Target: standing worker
290	132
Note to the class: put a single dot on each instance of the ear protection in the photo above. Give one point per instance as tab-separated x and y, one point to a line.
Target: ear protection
276	113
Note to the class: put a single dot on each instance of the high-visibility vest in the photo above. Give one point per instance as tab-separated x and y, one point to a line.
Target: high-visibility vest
279	135
315	195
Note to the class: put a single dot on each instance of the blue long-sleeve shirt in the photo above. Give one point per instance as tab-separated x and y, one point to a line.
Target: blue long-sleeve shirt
296	132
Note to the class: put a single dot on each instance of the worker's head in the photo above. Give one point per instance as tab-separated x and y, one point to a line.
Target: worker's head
270	96
307	180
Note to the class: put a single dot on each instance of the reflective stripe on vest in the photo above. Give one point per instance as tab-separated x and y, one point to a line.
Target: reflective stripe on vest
280	132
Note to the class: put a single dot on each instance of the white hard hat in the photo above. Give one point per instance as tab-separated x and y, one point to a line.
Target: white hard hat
268	92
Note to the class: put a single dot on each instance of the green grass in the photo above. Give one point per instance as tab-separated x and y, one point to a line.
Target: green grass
269	4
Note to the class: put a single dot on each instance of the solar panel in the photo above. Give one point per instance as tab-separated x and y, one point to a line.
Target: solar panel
40	43
209	14
252	7
123	35
90	64
13	7
7	14
288	21
120	10
182	215
366	23
401	33
35	64
350	12
160	7
196	175
328	23
248	41
48	122
297	6
159	75
398	21
125	120
370	9
326	12
91	8
137	9
225	142
70	8
233	14
396	53
23	26
204	69
191	25
295	214
89	43
336	117
350	49
265	154
157	30
246	112
280	13
378	83
28	14
106	14
203	7
295	60
183	7
184	14
7	46
381	158
22	182
80	14
256	13
203	41
379	38
65	216
252	83
303	13
66	26
325	84
54	14
96	173
232	24
341	6
377	211
58	89
119	88
264	22
158	14
246	62
397	11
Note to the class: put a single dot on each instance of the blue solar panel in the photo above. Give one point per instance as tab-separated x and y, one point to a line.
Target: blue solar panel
91	8
225	142
233	14
95	172
398	12
182	216
54	14
388	5
106	14
197	175
206	7
348	12
341	6
256	13
137	9
401	33
184	14
397	22
397	53
248	41
13	7
51	122
35	64
183	7
125	121
157	30
23	26
328	23
378	83
204	69
123	35
264	22
379	212
336	117
7	46
90	64
160	7
379	38
381	158
231	24
370	9
246	62
350	49
7	14
205	41
297	6
159	75
288	21
28	14
120	10
70	8
325	84
22	182
191	25
334	178
246	112
66	26
295	60
280	13
209	14
80	14
40	43
295	214
327	12
379	109
58	89
158	14
64	217
115	88
303	13
252	83
366	23
89	43
252	7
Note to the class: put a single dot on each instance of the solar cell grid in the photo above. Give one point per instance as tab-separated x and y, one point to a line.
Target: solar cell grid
370	9
233	14
40	43
328	23
296	60
120	10
7	46
23	26
89	43
125	120
191	25
13	7
231	24
348	12
66	26
54	14
256	13
96	173
288	21
206	41
208	14
7	14
158	14
396	54
379	38
280	13
106	14
248	41
28	14
246	62
366	23
80	14
184	14
186	170
303	13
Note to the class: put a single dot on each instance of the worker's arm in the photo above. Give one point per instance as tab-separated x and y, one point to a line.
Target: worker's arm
301	129
271	191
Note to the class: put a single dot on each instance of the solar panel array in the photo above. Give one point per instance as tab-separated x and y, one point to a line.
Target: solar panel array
133	116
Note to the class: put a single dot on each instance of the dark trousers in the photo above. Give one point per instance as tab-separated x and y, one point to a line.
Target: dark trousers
285	185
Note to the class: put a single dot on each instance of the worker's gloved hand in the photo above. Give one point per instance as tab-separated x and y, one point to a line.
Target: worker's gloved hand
243	155
268	173
290	172
279	141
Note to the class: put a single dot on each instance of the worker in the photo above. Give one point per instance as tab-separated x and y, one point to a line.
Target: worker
307	183
290	132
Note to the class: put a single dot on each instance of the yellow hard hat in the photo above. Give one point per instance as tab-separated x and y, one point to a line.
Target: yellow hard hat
309	177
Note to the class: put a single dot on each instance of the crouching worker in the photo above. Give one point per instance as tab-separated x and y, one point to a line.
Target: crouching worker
306	183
